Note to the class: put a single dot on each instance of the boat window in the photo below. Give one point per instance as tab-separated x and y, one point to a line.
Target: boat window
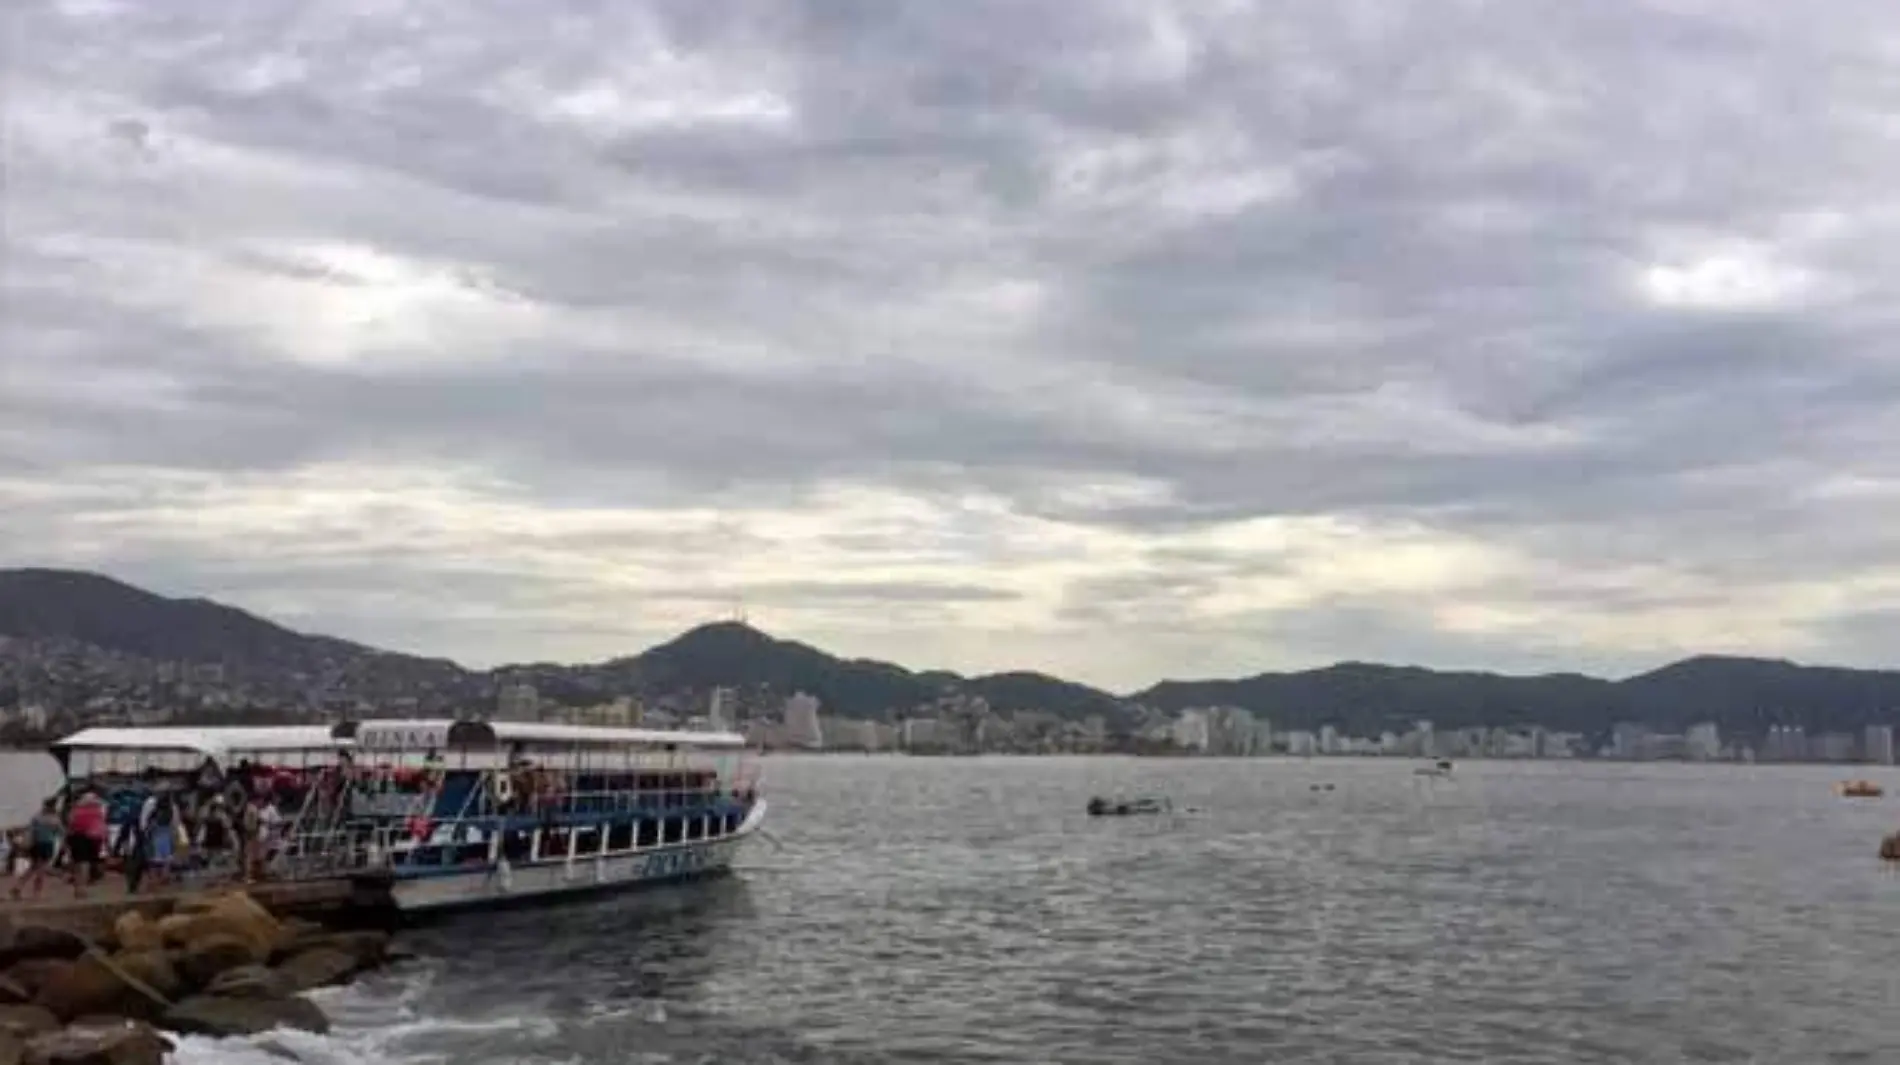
695	828
553	843
587	841
715	826
620	836
732	823
675	828
649	832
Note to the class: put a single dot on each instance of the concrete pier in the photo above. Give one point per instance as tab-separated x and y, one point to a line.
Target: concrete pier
328	900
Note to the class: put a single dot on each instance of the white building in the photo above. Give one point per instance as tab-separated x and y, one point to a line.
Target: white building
921	732
1877	744
802	727
1191	730
722	709
1702	743
1230	731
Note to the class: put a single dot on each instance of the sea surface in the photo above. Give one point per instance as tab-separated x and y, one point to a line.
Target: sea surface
941	910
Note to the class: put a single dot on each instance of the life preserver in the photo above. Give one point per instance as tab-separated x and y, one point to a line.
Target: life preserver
420	829
503	787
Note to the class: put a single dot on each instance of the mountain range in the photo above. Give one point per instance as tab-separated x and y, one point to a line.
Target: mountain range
1741	695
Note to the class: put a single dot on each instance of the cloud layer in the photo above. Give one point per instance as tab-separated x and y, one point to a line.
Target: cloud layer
1114	339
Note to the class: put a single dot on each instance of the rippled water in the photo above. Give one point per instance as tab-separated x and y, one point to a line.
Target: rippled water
954	910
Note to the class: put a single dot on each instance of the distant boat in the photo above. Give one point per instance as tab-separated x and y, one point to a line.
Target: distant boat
1441	768
1860	789
1147	804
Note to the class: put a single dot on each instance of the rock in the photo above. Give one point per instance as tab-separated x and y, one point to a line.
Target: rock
251	981
33	941
201	917
134	932
32	975
13	992
174	929
100	1041
370	949
204	960
22	1022
296	928
223	1017
93	986
240	911
321	967
12	1049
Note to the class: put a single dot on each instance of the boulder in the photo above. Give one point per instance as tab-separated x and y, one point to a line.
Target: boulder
13	992
251	981
133	931
32	975
125	986
296	928
224	1017
240	911
370	949
24	1022
320	967
31	942
175	929
12	1049
100	1041
205	959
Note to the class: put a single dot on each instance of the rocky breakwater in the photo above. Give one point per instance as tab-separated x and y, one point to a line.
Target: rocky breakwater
218	965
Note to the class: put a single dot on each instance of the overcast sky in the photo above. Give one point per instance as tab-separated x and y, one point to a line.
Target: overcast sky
1118	340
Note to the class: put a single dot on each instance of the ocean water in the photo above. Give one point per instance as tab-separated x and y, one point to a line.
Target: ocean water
924	910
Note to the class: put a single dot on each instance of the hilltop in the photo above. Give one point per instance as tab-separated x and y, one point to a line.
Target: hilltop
1744	695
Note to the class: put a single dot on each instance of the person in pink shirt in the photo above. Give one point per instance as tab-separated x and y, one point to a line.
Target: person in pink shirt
86	835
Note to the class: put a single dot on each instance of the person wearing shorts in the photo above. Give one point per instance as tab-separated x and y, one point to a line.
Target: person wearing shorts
42	848
87	832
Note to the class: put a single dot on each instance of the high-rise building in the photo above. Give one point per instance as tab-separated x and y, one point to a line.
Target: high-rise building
1877	744
1702	743
802	727
1190	730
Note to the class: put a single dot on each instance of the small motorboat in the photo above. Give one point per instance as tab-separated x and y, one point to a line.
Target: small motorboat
1441	768
1146	804
1860	789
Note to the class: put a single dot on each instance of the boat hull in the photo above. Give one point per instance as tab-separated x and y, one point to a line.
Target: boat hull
499	886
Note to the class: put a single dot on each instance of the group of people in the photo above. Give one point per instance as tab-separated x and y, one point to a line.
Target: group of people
153	834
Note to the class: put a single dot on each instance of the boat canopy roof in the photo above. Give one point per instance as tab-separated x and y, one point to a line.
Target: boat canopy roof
494	735
221	745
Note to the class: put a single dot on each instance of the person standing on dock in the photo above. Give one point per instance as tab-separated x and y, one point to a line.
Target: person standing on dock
43	836
87	834
161	838
214	833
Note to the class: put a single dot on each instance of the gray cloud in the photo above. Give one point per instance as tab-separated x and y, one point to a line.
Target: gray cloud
1601	291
